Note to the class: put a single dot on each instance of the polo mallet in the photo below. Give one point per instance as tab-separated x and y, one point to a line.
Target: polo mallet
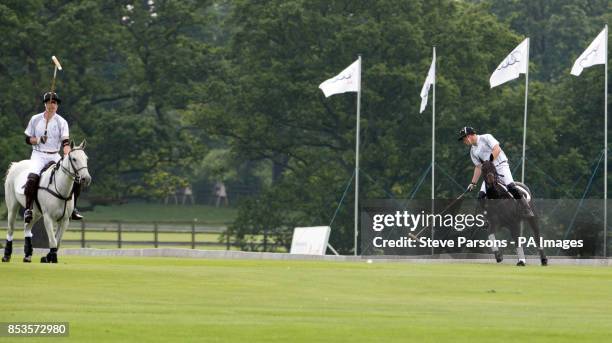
57	66
413	236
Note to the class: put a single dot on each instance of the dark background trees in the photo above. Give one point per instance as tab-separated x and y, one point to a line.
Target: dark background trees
169	92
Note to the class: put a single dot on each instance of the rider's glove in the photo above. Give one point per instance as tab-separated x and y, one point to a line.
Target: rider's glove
470	187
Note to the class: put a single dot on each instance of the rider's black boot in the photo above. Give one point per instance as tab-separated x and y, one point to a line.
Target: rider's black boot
31	187
76	215
523	204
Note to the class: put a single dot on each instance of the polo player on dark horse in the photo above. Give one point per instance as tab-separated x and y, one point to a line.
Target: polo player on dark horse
491	162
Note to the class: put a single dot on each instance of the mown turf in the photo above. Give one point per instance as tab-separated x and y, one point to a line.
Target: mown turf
167	299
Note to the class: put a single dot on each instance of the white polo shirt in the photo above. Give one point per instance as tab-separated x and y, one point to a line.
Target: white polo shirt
483	149
57	131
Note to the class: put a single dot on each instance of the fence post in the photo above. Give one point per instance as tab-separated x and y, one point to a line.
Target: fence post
193	233
119	234
227	239
155	240
265	240
82	234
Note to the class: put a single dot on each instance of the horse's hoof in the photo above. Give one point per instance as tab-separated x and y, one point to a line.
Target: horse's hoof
520	264
499	257
27	259
6	258
544	261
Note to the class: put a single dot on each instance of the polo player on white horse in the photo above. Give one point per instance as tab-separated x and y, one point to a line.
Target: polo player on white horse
47	132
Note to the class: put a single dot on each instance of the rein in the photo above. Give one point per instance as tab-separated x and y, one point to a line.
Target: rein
72	175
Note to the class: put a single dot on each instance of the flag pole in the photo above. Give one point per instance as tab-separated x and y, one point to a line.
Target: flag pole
606	146
433	132
357	159
525	115
433	144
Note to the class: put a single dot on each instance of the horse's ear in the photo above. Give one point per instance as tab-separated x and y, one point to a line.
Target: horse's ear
83	144
71	144
491	158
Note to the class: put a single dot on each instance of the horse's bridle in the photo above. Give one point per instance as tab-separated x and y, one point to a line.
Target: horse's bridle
74	175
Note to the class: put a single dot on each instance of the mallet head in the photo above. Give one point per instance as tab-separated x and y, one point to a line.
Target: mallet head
56	61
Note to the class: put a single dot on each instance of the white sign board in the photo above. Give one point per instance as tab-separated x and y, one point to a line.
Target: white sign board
310	240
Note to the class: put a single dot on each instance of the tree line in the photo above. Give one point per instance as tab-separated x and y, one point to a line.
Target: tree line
170	92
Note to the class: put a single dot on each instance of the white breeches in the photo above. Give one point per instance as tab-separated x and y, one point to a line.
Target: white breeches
40	160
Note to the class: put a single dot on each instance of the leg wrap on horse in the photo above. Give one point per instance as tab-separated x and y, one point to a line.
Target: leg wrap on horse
8	251
51	257
27	246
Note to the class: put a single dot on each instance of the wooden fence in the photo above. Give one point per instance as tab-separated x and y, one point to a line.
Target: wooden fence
120	234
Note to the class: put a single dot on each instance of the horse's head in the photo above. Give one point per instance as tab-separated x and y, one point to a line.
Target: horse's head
489	173
77	163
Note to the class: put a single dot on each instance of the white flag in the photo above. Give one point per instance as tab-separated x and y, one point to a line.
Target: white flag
431	79
348	80
596	53
512	66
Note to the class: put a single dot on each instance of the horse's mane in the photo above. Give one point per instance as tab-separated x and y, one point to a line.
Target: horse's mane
488	166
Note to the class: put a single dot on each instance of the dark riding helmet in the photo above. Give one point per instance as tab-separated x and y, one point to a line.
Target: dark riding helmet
51	96
466	131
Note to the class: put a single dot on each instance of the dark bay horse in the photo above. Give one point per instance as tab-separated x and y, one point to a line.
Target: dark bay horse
503	210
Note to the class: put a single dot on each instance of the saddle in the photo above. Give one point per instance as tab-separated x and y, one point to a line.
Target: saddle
49	165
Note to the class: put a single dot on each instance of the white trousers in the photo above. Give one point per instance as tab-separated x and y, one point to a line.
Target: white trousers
503	170
40	160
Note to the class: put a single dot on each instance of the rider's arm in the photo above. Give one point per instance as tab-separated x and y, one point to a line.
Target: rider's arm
496	151
476	175
31	140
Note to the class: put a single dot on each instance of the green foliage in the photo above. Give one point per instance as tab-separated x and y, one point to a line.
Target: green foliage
200	91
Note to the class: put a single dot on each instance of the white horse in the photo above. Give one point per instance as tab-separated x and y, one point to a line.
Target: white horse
55	199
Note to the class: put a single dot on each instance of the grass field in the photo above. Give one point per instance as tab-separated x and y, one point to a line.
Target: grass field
168	299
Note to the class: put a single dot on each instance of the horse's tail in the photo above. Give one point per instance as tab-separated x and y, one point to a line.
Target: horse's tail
9	177
8	170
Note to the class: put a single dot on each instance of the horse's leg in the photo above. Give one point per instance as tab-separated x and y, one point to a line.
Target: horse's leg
61	229
28	250
13	208
50	228
515	230
499	257
535	227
